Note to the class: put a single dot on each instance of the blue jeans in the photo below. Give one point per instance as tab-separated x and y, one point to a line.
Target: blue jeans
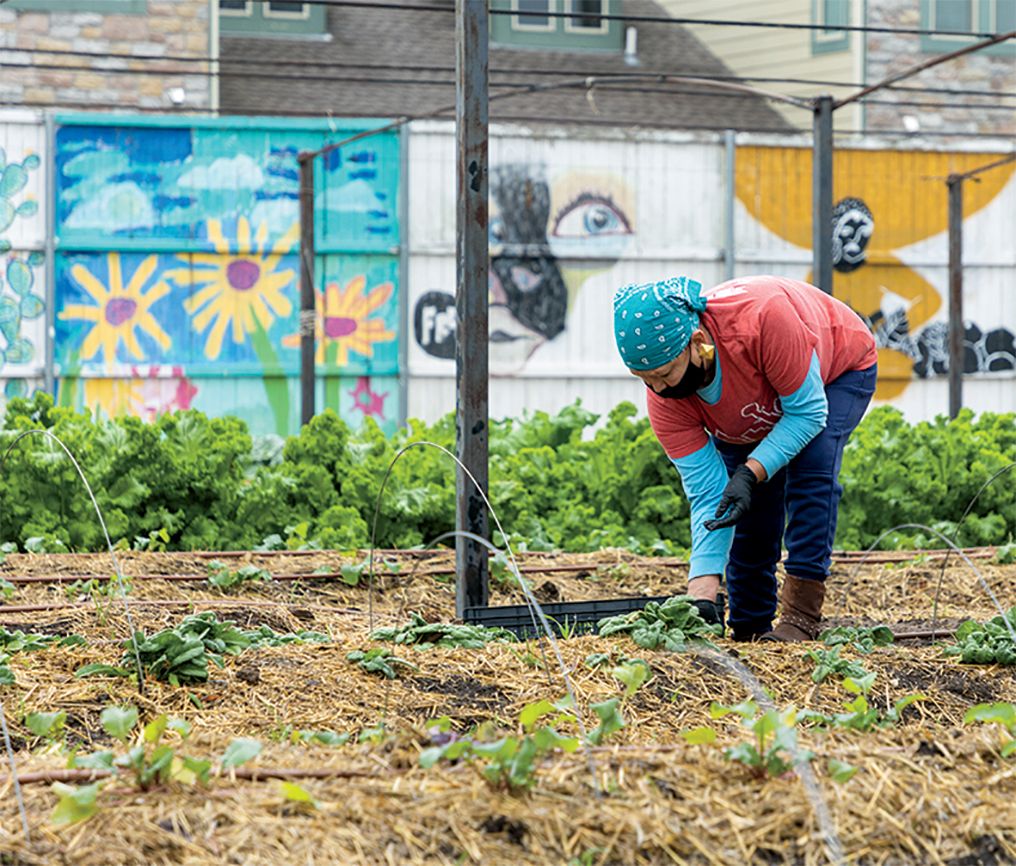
802	498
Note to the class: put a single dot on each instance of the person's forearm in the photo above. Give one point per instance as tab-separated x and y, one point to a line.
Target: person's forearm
704	476
804	415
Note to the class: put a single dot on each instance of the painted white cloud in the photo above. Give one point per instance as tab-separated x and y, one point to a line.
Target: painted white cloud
357	196
113	208
237	172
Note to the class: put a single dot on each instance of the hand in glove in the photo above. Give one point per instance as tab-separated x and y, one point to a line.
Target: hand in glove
736	499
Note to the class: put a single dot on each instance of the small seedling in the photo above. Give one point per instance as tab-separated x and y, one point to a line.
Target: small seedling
610	721
774	751
840	771
352	572
47	726
999	714
828	662
858	714
380	661
222	577
864	640
510	762
632	673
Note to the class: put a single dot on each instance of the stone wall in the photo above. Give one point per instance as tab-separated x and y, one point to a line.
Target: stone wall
889	53
37	74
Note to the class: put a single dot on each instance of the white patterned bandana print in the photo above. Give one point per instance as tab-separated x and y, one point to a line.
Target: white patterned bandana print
653	322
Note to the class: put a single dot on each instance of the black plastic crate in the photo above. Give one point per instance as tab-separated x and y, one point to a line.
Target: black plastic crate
578	617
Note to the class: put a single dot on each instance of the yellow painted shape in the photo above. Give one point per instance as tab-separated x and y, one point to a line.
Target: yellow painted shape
905	190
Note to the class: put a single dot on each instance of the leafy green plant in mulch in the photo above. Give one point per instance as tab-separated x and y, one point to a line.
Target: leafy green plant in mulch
661	625
181	654
864	640
153	759
858	714
221	576
380	661
508	762
996	714
424	635
828	662
986	643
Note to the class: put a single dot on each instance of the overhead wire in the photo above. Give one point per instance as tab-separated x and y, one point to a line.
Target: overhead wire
647	19
615	85
494	70
324	114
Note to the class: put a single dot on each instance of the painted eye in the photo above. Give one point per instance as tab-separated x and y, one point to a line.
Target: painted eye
590	216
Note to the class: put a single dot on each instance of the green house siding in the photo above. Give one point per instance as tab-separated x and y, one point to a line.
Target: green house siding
570	26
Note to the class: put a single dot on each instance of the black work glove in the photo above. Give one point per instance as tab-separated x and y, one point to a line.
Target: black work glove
712	612
736	499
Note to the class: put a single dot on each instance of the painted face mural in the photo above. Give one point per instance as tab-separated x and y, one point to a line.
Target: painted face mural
852	227
545	241
895	214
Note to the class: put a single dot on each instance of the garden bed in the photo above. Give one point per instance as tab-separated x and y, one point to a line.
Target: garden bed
927	789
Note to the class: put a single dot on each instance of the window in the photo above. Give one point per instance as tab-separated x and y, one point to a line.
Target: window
271	18
967	16
831	14
952	16
532	19
277	8
587	16
556	25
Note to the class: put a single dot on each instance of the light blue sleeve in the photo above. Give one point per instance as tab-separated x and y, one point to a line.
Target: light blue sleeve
704	477
804	416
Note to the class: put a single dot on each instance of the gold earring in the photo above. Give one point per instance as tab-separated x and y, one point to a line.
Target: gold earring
707	351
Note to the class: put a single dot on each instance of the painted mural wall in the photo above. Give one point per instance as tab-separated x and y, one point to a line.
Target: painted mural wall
175	272
22	260
177	269
571	220
890	253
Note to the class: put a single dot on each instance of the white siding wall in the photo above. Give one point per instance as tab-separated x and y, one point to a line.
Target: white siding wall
23	220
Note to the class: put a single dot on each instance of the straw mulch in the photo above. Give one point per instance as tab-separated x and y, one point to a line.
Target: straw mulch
929	790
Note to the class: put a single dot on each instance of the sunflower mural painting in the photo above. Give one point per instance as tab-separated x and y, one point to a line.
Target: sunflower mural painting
119	310
355	335
889	229
343	323
177	271
244	291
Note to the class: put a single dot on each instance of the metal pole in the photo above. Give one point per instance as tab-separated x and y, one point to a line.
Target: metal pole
307	313
822	194
730	145
471	427
955	184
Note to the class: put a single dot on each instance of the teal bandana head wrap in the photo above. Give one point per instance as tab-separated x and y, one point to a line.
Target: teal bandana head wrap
653	322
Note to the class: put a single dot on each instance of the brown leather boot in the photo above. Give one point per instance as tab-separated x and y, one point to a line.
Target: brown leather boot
800	610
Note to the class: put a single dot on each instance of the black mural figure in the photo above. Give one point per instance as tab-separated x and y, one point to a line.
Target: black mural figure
529	276
528	296
852	228
983	352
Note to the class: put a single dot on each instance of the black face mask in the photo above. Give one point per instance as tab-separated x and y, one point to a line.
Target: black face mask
693	379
